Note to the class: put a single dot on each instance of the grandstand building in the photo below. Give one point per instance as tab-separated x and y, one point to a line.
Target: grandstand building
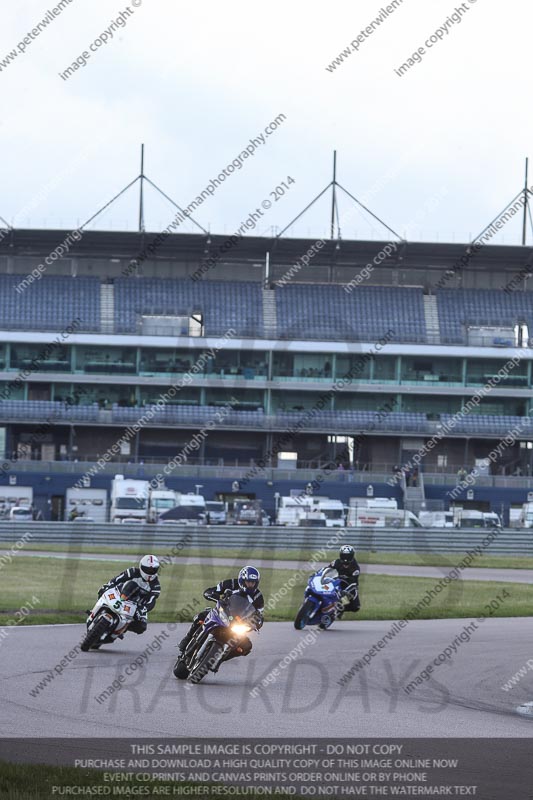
320	364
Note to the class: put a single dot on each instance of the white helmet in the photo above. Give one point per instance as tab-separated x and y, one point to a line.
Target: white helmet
149	567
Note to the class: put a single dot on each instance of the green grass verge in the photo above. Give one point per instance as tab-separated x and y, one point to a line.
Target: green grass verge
65	588
37	782
248	554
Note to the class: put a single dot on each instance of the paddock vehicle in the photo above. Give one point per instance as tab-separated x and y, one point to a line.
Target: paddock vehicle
21	514
248	512
436	519
322	600
189	509
159	501
215	512
471	518
113	613
226	625
521	517
293	509
129	499
313	519
382	518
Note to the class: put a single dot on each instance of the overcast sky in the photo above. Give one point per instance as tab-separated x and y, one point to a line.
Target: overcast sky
436	153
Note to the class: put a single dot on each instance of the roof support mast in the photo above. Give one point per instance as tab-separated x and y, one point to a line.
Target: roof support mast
333	195
141	193
526	204
142	178
334	207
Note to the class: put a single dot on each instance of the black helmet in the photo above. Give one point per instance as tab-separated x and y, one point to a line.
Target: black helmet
346	553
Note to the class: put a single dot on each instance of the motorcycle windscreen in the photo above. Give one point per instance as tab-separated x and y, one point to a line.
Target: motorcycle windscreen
132	591
328	575
239	606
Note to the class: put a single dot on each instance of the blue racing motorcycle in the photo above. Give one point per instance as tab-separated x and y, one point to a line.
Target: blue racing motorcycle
322	600
222	631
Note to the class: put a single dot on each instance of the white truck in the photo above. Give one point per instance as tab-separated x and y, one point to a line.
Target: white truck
160	500
129	500
85	505
297	507
215	511
472	518
379	512
383	518
436	519
291	508
333	511
525	517
313	519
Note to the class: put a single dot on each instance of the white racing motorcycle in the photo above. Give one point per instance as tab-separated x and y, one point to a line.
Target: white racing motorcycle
113	614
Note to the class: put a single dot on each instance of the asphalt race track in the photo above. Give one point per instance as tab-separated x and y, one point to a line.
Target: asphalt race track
462	697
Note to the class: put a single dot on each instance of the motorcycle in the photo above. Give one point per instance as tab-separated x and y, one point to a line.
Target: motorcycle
113	614
233	617
323	602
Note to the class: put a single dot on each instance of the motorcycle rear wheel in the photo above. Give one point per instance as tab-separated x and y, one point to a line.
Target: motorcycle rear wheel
303	615
100	627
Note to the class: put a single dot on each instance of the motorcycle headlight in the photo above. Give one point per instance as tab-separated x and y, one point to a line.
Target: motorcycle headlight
240	628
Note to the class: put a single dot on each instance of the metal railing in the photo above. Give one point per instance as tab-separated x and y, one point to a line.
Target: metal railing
174	539
374	475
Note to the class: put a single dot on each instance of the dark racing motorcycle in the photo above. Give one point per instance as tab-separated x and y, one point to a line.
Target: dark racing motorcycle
226	625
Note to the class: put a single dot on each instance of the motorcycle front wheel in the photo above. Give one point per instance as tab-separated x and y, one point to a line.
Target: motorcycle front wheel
180	670
207	660
304	614
100	627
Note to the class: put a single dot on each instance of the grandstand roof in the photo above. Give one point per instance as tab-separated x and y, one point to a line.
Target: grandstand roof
192	248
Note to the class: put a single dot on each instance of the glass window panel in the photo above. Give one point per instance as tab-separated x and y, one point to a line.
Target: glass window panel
431	370
105	360
40	357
